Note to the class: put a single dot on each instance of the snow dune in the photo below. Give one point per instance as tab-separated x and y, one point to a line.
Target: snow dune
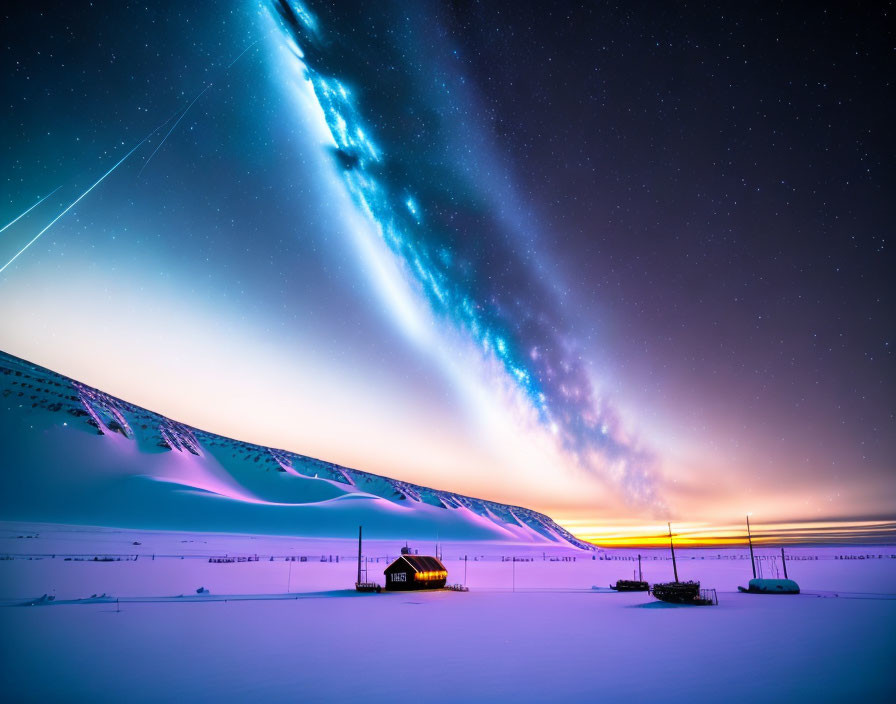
73	454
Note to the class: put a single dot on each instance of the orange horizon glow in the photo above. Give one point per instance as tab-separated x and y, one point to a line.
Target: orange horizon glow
624	535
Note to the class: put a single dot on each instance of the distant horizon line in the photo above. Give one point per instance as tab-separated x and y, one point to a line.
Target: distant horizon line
790	533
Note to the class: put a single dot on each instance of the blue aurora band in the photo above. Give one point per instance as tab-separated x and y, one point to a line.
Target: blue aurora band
402	172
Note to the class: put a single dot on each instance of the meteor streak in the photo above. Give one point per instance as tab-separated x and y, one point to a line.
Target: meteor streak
243	52
13	222
102	178
168	134
192	103
74	203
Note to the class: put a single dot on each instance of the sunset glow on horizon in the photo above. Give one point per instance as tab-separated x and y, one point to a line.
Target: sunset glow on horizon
626	535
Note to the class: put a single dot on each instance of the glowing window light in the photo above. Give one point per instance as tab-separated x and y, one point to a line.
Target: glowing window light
430	575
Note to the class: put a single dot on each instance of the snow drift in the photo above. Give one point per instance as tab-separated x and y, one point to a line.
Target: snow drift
73	454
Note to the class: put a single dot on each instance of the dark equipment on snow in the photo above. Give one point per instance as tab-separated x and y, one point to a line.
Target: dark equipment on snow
683	592
362	585
768	586
632	585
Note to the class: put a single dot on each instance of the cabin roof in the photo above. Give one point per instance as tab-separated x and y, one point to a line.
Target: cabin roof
418	563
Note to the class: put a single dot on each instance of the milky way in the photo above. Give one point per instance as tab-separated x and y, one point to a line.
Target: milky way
447	236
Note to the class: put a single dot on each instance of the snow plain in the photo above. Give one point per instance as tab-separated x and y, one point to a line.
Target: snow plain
529	630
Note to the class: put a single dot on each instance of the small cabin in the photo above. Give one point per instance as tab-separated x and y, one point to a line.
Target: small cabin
415	572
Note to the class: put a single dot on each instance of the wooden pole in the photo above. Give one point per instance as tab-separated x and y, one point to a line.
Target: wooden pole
359	555
640	578
672	547
784	562
750	541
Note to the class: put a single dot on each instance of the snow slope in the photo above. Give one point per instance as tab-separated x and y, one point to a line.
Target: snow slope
73	454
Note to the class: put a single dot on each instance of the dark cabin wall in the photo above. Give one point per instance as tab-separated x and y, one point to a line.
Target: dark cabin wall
406	581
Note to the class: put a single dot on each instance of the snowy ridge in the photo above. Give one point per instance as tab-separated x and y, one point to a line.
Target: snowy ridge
65	464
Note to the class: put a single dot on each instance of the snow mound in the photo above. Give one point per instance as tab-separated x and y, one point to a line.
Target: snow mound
74	454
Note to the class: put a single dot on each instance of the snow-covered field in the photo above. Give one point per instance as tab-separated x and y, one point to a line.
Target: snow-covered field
529	630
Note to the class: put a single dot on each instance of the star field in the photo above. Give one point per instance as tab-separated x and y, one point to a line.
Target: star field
653	240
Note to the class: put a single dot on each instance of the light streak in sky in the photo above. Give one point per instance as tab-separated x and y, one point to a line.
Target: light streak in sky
230	65
177	122
75	202
192	103
13	222
103	177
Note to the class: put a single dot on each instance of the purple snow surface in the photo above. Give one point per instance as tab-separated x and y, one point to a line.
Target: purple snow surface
531	630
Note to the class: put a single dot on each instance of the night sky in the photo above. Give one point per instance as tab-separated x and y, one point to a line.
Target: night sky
619	264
